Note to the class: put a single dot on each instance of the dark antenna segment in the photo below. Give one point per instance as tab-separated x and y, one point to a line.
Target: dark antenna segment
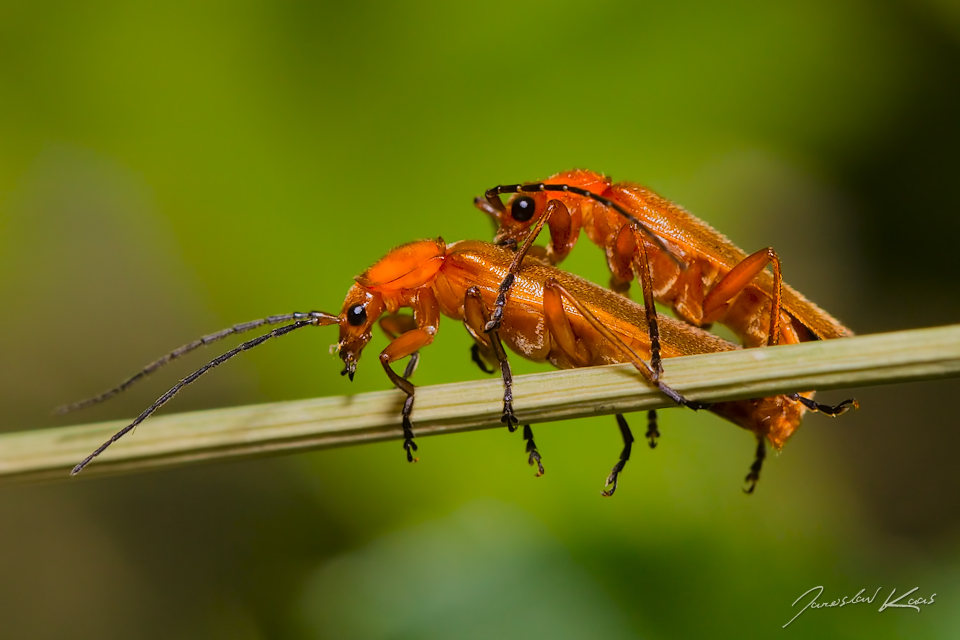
312	318
185	349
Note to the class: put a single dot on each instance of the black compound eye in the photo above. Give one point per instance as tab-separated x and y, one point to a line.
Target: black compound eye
357	315
523	208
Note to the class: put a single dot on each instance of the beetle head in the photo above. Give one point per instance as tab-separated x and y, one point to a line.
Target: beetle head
361	308
514	218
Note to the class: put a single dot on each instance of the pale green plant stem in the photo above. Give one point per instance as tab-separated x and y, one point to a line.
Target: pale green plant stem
239	432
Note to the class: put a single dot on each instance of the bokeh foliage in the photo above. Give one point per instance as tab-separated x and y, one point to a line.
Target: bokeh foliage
168	170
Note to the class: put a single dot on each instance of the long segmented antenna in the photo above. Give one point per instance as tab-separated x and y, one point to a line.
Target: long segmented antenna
492	196
185	349
316	318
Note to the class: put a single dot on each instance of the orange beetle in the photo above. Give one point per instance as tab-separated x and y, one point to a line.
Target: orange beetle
554	316
681	261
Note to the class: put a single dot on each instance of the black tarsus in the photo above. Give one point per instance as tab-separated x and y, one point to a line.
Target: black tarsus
652	432
401	383
508	418
534	457
614	477
187	348
408	444
828	410
162	400
754	474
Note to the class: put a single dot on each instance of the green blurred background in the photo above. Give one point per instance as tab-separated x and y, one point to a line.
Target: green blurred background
167	171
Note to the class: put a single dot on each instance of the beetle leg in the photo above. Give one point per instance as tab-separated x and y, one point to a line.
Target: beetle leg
556	316
642	267
479	358
475	316
494	323
565	224
828	410
405	345
558	324
481	351
411	367
738	278
688	302
754	474
652	432
396	324
624	456
534	457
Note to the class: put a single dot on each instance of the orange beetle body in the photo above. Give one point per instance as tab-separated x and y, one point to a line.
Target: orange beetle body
702	276
554	316
526	322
